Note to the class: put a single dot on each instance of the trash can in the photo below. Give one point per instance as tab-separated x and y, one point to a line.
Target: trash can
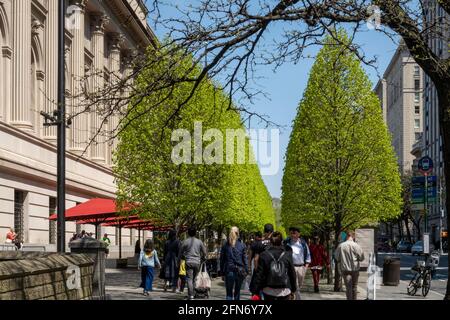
391	271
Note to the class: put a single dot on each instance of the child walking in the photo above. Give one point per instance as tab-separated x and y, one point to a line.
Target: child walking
148	260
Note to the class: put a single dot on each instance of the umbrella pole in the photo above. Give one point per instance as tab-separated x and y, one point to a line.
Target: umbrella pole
96	229
120	242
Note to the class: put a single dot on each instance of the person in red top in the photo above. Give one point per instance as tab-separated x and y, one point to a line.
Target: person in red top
319	259
11	236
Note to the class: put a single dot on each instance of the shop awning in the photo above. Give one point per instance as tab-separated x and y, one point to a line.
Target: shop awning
95	211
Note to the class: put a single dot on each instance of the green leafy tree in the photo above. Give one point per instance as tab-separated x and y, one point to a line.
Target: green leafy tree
202	190
340	166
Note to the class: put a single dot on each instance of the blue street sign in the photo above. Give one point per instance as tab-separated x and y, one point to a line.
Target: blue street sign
426	164
418	189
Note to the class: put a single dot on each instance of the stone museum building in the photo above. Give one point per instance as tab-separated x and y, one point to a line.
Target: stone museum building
100	37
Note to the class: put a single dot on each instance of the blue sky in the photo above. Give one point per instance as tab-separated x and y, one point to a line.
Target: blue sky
285	89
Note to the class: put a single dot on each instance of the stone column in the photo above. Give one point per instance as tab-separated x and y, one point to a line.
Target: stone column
51	56
79	131
116	42
20	115
98	149
97	251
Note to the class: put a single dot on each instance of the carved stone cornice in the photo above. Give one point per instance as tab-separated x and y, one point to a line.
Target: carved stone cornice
99	21
79	3
116	41
35	26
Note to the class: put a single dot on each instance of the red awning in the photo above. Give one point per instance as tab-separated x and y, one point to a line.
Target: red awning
94	209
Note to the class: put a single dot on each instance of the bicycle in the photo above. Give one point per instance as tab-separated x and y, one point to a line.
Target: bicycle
423	271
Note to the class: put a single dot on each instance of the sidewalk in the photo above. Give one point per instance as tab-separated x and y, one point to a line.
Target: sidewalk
122	284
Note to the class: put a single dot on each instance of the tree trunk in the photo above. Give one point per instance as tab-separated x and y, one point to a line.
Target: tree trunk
330	257
408	232
337	273
444	116
400	228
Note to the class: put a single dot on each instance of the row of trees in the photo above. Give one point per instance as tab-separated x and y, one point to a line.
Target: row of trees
341	172
175	167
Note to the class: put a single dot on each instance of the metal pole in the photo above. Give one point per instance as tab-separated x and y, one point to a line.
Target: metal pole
426	204
61	139
440	231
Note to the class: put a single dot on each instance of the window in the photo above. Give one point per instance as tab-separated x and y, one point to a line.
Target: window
417	97
52	224
417	109
417	84
416	123
19	204
416	71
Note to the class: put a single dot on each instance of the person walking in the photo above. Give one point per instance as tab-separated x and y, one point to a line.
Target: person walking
171	251
11	236
193	251
233	264
258	247
275	276
348	255
148	260
107	241
319	259
301	256
182	275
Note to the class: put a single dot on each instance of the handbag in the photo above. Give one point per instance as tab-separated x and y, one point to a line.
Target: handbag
203	281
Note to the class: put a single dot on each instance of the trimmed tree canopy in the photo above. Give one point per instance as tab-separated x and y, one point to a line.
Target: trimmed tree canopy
340	169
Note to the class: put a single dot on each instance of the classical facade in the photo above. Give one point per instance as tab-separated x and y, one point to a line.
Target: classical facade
100	36
400	93
431	142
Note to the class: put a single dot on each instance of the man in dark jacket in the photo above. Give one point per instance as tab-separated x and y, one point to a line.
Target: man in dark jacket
273	255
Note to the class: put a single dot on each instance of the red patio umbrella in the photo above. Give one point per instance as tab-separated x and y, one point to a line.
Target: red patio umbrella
95	211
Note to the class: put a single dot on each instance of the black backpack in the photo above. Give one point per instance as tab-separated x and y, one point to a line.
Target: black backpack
278	276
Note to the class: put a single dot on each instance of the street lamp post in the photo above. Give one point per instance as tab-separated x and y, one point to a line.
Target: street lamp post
58	119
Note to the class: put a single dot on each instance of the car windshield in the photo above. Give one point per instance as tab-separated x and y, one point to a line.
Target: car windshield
419	243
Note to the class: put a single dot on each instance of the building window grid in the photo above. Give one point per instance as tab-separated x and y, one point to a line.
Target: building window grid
19	212
52	224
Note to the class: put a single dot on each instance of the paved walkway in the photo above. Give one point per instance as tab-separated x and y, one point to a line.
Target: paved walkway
122	284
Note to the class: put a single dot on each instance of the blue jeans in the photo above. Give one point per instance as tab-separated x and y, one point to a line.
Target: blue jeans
233	281
147	278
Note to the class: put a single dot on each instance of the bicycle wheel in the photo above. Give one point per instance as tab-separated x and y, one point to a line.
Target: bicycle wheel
426	283
413	284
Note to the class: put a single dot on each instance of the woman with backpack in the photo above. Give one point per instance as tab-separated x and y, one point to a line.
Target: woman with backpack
275	275
148	260
233	264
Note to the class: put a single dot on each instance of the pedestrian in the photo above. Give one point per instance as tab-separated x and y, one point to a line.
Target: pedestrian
148	260
171	251
300	255
256	249
107	241
182	275
319	259
275	276
233	264
74	237
137	247
348	255
11	236
193	251
83	234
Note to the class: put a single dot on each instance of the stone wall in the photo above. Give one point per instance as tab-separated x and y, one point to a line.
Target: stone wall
45	276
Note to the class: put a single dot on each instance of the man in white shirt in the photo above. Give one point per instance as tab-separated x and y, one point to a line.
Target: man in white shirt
348	255
300	256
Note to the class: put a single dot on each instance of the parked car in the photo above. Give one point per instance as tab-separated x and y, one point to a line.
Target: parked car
383	247
417	248
404	246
